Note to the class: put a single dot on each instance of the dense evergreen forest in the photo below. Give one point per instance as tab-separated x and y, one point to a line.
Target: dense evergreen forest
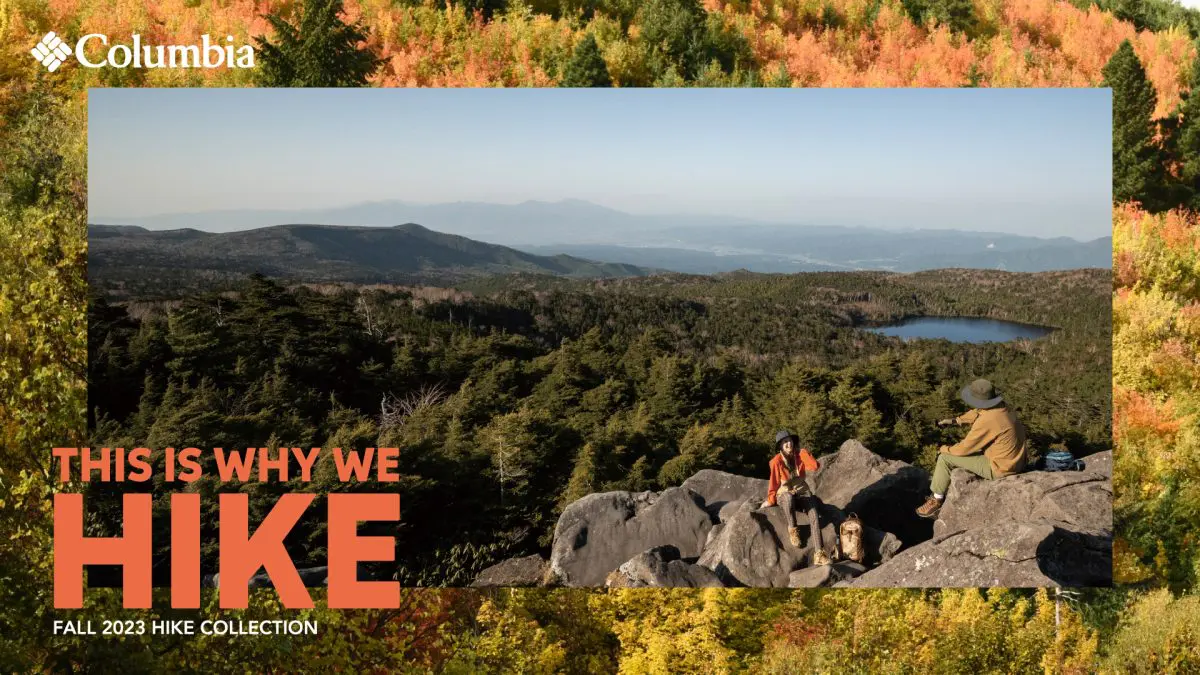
518	395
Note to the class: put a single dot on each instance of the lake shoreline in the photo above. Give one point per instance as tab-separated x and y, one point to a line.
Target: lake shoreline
960	329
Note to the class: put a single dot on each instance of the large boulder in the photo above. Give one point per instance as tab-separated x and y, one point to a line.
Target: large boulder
599	532
662	567
1100	462
1033	529
752	547
1081	500
1010	554
1030	530
527	571
885	493
724	493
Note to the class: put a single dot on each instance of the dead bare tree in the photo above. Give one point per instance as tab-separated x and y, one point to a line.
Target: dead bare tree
394	410
363	307
505	470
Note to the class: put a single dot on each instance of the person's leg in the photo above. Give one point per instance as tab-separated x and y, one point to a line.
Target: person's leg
786	502
941	476
809	503
979	465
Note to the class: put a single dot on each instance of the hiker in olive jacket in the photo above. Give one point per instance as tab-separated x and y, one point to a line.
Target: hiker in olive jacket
789	488
994	447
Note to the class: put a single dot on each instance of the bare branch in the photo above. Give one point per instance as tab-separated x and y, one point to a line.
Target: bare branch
395	410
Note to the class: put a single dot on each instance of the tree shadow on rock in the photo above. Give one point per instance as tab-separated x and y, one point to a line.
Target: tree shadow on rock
890	504
1080	559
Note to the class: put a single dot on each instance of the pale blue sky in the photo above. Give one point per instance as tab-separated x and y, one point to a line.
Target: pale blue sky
1036	159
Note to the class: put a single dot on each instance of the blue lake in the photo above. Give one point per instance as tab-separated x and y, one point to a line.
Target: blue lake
958	329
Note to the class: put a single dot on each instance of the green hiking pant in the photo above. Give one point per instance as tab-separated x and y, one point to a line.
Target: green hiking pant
979	465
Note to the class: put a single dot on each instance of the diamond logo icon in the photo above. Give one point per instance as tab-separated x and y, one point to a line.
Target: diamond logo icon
51	52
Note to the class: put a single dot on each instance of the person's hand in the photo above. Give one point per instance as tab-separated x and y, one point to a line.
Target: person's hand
765	504
946	422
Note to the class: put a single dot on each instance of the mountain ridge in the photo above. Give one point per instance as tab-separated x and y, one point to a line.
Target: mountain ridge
404	253
505	223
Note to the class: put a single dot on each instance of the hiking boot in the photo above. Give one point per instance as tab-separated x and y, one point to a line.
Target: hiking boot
930	508
794	536
820	557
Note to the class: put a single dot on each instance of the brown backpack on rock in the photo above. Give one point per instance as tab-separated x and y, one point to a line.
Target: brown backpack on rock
850	532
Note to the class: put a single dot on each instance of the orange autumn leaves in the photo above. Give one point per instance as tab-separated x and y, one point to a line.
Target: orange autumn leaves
839	43
1020	43
1156	373
1028	43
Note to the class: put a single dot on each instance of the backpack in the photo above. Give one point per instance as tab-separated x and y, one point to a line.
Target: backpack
1061	460
850	533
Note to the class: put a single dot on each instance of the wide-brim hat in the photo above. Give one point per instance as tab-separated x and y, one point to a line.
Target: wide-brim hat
783	435
981	394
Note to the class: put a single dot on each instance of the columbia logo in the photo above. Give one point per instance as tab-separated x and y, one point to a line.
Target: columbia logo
51	52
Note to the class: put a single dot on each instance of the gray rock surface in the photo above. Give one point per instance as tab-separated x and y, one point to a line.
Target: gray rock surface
661	567
884	493
825	575
724	493
527	571
1081	500
599	532
1031	530
752	547
1101	462
1009	554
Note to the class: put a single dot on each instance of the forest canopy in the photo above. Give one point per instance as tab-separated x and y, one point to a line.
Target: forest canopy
511	400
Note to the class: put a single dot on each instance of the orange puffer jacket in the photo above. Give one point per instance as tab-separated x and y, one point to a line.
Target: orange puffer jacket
802	462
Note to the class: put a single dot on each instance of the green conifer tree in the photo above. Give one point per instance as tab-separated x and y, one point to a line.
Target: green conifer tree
1137	164
321	50
586	67
1186	146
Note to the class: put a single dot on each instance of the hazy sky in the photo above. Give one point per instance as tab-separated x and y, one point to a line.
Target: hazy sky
1027	161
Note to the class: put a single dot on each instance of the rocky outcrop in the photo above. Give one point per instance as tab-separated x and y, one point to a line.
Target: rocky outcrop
1010	554
885	493
527	571
714	522
1034	529
751	548
599	532
1082	500
662	567
1030	530
724	493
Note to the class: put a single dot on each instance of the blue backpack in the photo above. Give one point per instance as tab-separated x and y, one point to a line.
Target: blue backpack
1059	460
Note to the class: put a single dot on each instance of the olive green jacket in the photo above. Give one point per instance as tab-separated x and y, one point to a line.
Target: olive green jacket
998	434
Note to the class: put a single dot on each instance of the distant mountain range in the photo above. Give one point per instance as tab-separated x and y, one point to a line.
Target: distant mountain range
406	253
1052	256
694	244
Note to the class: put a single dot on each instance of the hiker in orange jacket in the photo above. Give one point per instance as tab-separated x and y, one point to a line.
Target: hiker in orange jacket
790	489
